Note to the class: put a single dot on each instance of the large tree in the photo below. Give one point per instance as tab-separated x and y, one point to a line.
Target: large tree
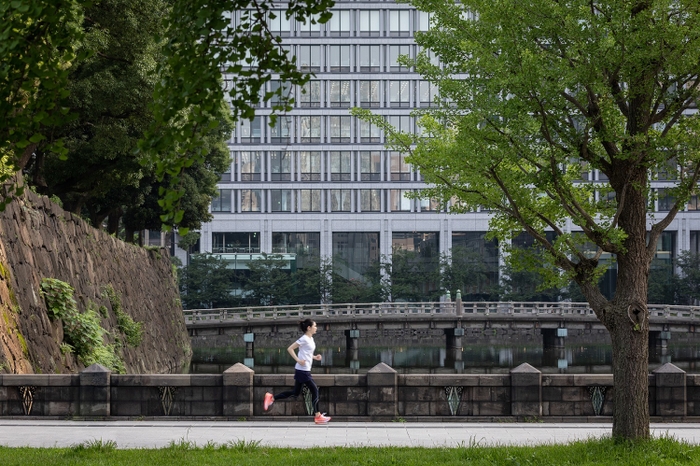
534	92
39	48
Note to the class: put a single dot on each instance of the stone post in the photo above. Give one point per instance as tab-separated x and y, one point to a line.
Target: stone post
525	391
95	387
382	386
459	309
671	393
238	391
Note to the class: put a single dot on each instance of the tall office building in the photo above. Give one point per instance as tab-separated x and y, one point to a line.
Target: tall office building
322	181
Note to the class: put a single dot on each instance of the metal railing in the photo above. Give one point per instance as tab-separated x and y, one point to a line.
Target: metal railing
424	309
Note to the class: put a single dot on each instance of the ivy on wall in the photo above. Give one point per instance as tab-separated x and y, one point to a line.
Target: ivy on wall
83	332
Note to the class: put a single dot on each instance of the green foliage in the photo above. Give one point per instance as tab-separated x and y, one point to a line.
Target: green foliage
188	240
269	282
132	330
82	332
688	283
207	282
59	298
34	74
468	271
412	276
370	288
201	42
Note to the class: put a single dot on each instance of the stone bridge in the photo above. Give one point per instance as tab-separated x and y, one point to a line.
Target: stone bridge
553	319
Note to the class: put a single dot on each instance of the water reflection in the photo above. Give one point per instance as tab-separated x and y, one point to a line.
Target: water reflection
475	359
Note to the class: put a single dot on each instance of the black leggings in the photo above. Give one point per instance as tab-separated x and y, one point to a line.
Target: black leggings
311	385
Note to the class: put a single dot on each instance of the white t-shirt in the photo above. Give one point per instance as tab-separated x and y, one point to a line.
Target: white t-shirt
307	346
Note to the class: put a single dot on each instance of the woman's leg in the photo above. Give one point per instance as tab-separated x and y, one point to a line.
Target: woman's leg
290	393
314	394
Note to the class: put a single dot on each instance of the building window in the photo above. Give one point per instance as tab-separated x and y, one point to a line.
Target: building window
339	24
310	129
341	200
222	201
424	19
399	23
280	166
369	94
310	28
339	94
666	201
427	94
398	200
226	176
369	133
371	165
356	252
281	131
369	23
340	166
400	169
280	200
668	171
250	166
304	245
403	124
309	57
310	166
693	203
399	94
250	130
339	58
369	58
396	51
430	205
310	95
310	200
694	242
282	91
279	25
250	200
370	200
665	247
235	242
340	128
473	252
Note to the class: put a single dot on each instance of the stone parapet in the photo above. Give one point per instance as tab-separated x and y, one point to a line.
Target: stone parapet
380	394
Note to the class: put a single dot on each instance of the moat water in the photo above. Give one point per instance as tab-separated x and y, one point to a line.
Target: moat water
433	359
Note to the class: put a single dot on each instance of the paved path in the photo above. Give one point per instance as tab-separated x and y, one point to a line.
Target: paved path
155	434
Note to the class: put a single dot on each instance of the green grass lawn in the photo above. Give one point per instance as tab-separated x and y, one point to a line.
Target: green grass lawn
663	451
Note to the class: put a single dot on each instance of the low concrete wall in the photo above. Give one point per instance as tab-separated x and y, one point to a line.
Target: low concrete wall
381	394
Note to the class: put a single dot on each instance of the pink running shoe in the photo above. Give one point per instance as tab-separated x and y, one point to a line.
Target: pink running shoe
321	418
269	399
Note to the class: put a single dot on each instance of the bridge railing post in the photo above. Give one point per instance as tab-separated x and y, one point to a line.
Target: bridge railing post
671	391
526	391
382	388
238	391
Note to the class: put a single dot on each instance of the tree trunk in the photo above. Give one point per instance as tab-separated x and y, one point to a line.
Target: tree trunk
630	367
627	316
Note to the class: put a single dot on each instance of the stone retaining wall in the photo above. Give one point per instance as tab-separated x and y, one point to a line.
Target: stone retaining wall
381	394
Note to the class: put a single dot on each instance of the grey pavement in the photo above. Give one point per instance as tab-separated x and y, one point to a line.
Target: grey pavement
157	434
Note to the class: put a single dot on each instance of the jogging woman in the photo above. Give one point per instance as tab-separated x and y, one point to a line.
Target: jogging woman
302	373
